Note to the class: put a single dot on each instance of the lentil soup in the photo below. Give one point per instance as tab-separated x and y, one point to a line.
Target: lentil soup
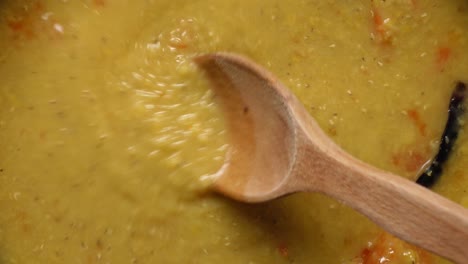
110	135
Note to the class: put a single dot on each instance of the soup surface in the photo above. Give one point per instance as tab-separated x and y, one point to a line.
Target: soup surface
110	135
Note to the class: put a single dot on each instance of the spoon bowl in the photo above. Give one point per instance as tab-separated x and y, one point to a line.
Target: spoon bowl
254	115
278	149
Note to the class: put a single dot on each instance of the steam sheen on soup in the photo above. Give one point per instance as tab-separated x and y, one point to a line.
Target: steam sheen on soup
110	135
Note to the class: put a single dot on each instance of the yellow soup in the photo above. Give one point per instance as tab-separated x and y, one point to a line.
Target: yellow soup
110	135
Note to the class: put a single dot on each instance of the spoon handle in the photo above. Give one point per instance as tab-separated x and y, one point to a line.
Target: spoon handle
398	205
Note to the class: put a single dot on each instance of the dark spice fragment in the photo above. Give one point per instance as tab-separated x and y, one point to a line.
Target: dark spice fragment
447	141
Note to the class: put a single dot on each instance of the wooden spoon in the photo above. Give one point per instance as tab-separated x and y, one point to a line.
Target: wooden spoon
278	149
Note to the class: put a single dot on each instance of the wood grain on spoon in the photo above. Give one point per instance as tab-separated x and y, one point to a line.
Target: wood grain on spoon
278	149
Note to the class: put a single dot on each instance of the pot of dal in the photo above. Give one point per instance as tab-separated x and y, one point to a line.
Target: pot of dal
110	135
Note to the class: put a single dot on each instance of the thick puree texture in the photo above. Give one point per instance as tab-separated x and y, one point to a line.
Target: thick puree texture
109	133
